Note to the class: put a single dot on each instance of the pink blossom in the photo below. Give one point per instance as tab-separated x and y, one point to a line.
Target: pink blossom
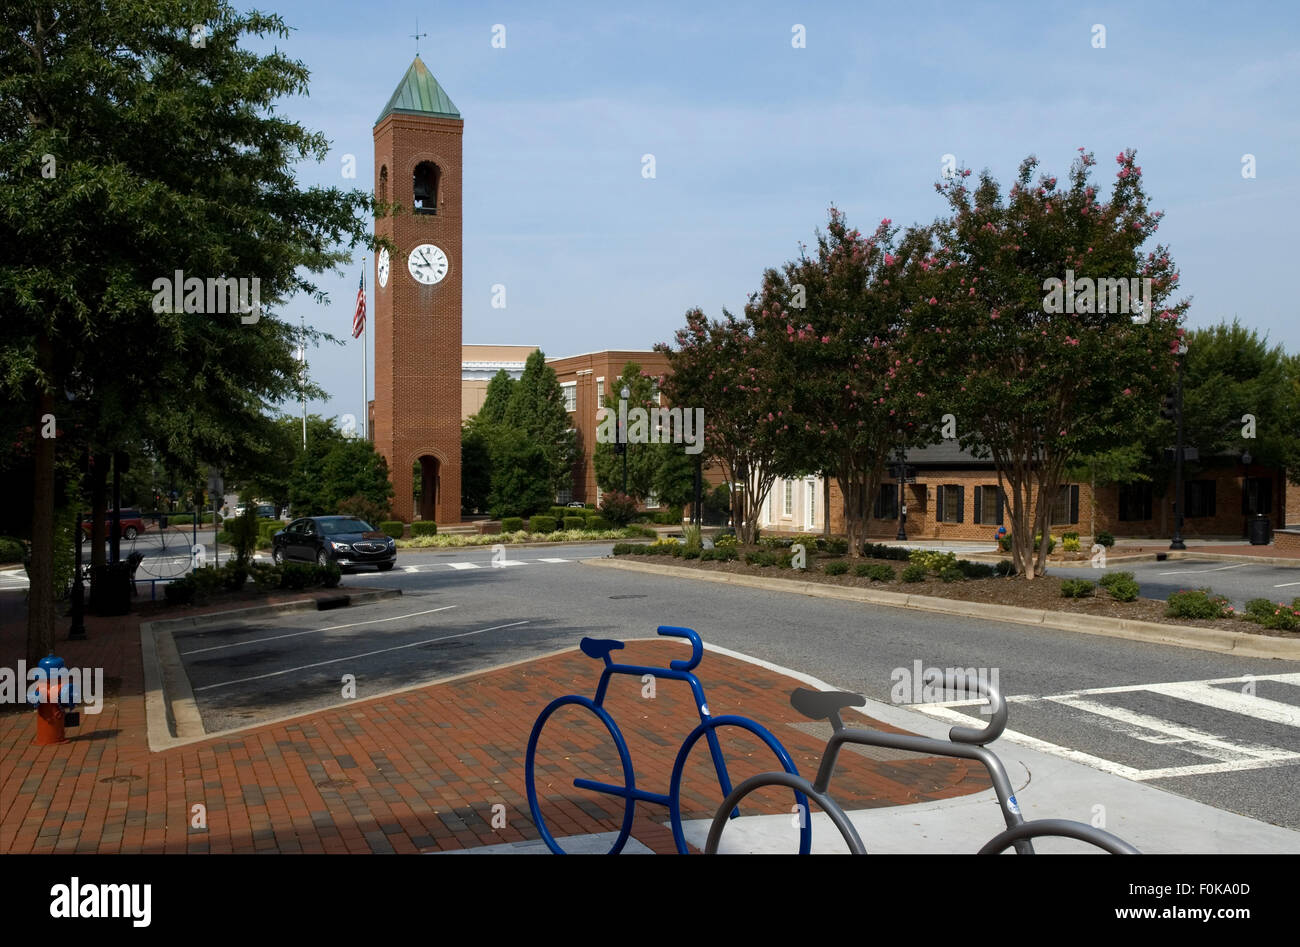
933	300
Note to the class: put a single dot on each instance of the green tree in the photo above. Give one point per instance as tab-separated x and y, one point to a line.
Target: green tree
643	459
95	212
475	466
520	477
496	400
1036	386
536	409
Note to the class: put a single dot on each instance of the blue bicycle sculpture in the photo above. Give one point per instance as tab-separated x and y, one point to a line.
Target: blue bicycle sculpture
600	648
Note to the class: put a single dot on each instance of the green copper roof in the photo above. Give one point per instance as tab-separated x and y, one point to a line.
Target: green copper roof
419	94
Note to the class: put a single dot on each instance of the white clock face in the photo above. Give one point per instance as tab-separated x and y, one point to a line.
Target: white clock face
428	264
383	268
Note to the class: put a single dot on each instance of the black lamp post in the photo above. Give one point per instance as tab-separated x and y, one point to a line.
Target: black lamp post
623	435
1177	541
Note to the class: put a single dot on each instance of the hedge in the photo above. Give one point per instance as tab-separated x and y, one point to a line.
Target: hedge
575	522
394	528
11	550
424	528
541	524
512	524
598	522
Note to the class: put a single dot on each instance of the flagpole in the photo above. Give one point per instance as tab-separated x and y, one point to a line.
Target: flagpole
365	327
302	381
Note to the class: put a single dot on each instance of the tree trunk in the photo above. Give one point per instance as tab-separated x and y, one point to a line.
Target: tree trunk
98	507
40	597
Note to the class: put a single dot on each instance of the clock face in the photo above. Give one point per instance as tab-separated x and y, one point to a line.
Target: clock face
383	268
428	264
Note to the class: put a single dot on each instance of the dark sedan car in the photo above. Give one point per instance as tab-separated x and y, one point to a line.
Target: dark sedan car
347	540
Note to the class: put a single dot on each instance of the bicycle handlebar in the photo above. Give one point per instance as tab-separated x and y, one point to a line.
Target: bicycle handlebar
990	731
697	646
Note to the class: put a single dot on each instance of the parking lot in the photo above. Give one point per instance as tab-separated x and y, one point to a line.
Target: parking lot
251	672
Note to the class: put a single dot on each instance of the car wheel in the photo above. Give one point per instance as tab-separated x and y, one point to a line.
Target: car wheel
322	558
277	556
384	566
130	532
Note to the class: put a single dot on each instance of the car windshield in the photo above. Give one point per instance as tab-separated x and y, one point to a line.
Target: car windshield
336	525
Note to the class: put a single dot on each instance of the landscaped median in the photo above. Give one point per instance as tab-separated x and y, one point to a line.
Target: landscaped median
934	581
524	536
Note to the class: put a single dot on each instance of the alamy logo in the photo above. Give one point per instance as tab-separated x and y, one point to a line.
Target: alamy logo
1086	295
212	296
653	426
932	685
60	685
75	899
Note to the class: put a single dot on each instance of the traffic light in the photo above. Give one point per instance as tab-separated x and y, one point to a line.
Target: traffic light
1169	406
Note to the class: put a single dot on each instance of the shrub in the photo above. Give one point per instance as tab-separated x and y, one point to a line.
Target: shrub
575	522
541	524
179	591
836	545
692	537
875	571
1069	535
976	570
725	553
394	528
298	575
1197	603
11	550
243	532
952	573
839	567
618	507
1070	543
706	555
424	528
1051	542
1005	567
1120	585
1106	539
598	522
776	542
511	524
690	552
265	577
881	551
669	517
1276	615
915	573
635	530
1077	588
727	541
932	560
329	575
236	573
622	549
364	508
267	528
761	558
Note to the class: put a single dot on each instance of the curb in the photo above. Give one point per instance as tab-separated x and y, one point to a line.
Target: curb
1151	557
1237	643
171	714
488	546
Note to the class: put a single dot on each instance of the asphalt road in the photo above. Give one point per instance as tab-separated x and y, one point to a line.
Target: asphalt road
1220	729
1239	581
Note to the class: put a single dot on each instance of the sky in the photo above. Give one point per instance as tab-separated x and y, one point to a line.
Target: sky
754	138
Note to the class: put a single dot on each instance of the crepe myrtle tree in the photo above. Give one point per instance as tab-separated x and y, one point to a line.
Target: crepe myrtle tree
1034	386
138	139
717	366
833	330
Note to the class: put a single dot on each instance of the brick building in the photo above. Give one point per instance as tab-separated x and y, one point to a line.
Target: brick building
417	296
955	496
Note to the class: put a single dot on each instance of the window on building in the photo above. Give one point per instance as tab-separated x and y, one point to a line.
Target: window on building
651	501
988	504
1257	496
383	185
810	489
950	500
1065	506
600	392
886	505
1134	501
570	390
788	494
424	187
564	496
1200	496
655	396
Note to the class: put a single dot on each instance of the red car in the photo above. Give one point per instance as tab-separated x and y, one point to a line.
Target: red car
131	522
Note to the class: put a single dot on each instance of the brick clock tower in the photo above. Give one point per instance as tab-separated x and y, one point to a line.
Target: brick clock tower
417	297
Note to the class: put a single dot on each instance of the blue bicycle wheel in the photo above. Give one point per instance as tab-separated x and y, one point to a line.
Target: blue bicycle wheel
773	744
629	775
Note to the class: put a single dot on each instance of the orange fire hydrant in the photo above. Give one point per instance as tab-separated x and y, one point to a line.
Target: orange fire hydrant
55	697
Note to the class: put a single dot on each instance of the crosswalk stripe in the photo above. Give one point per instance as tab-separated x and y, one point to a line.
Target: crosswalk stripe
1274	711
463	565
552	560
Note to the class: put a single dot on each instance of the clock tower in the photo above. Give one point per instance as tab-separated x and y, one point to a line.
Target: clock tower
417	297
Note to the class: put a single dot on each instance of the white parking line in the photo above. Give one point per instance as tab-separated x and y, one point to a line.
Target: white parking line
312	631
1282	585
1198	571
463	565
355	657
552	560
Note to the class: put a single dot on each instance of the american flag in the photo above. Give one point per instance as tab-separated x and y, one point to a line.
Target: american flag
359	317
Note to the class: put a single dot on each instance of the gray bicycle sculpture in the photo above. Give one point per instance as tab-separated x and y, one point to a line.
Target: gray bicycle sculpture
963	742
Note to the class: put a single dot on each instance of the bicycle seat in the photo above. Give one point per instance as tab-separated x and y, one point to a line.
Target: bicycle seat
821	705
599	647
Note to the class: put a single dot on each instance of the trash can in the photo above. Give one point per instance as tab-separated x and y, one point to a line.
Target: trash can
1259	530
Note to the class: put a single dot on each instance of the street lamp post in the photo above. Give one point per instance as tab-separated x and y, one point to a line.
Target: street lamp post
902	509
623	436
1177	541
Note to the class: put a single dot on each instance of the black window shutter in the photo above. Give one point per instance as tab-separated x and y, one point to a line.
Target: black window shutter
1211	489
961	502
979	509
875	507
1001	498
1074	503
938	502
